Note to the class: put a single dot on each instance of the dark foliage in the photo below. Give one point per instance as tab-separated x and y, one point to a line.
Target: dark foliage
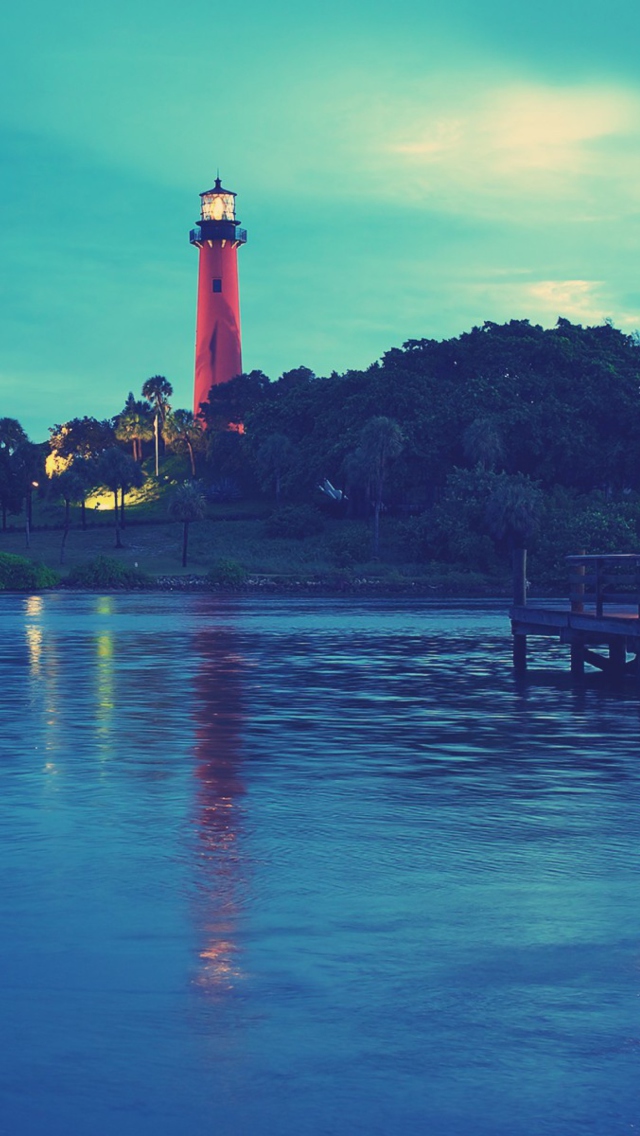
559	405
21	575
294	522
81	437
106	572
227	574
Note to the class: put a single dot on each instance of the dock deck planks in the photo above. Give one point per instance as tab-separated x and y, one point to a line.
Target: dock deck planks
583	623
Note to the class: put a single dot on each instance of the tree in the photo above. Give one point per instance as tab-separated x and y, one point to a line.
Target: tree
183	431
10	486
119	473
135	424
229	404
11	435
19	465
73	484
513	509
187	505
273	460
381	440
81	437
78	438
28	460
158	390
482	443
228	463
457	523
513	512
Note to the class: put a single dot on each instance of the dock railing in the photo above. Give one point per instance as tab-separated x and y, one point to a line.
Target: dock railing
596	581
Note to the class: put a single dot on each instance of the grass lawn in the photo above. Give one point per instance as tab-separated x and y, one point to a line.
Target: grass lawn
156	548
232	531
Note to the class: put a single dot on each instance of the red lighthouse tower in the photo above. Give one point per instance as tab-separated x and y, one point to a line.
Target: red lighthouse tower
218	344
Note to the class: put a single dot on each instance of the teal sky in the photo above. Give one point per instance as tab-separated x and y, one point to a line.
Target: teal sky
403	170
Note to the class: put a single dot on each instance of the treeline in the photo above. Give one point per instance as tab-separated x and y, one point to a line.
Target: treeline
463	447
561	406
85	454
509	432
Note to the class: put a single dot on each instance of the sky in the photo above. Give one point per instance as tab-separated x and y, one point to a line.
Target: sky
404	170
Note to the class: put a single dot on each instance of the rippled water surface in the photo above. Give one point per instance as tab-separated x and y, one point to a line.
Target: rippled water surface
302	868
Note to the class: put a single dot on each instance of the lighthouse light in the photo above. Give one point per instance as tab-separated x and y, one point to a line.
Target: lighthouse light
218	207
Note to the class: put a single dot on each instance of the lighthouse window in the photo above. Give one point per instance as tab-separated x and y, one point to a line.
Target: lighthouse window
217	285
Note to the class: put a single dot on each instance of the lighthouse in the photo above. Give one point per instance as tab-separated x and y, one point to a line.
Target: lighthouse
218	343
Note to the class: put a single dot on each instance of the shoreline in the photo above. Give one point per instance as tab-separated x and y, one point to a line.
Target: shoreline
267	585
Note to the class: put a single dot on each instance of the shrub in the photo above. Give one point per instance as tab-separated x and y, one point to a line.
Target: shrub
350	546
224	490
21	575
458	530
106	572
573	524
227	574
415	537
294	522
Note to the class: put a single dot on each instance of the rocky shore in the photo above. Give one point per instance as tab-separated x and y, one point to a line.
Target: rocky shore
326	585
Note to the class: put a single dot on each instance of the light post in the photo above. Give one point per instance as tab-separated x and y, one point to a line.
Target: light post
30	488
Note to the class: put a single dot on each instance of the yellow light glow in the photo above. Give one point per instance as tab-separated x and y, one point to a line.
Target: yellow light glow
105	692
34	644
218	207
101	501
104	647
54	464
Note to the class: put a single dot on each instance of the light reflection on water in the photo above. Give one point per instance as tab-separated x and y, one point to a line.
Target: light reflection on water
308	867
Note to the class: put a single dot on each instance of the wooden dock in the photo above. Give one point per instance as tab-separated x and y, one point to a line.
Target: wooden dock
600	622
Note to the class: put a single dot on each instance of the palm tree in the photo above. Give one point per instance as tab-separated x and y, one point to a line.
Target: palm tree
482	443
183	431
512	515
135	425
513	509
187	505
380	441
158	390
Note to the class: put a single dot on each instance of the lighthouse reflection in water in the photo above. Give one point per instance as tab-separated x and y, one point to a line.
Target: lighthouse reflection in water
222	877
308	867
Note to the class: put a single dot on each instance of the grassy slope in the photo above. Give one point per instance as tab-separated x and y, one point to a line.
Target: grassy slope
232	532
157	548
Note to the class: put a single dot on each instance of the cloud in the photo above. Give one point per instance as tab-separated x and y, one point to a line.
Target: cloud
581	301
518	149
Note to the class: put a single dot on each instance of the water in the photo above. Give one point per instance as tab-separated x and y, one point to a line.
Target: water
301	868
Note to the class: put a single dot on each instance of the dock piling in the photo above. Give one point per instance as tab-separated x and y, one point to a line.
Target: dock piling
601	622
